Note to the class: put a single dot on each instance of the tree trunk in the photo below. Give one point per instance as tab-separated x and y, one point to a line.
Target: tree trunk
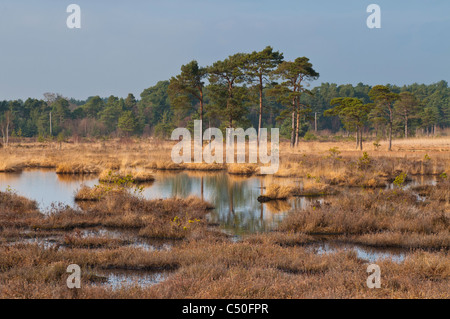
293	129
406	126
390	130
7	133
260	106
4	136
230	96
315	121
293	124
390	136
361	139
201	117
357	137
297	128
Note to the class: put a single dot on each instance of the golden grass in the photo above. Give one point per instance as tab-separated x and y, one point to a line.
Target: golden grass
242	169
203	167
206	264
76	168
309	158
309	188
10	165
279	192
164	165
95	193
123	176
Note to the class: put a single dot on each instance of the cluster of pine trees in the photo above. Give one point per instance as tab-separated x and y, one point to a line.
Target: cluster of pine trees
258	89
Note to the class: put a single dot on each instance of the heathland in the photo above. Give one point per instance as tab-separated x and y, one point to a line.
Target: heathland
170	248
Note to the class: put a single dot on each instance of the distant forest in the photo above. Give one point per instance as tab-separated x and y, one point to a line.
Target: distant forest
257	89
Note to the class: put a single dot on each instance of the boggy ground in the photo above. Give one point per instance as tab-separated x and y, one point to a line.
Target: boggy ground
36	248
381	218
206	264
335	163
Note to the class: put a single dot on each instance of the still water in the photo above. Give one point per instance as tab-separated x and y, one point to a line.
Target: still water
237	209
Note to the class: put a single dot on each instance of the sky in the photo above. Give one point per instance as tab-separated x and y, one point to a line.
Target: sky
127	46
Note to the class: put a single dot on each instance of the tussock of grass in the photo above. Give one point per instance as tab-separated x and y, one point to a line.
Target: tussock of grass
277	192
96	193
17	211
76	168
310	188
242	169
203	167
164	165
123	176
10	166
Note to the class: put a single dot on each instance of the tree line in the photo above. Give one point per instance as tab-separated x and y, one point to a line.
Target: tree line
257	89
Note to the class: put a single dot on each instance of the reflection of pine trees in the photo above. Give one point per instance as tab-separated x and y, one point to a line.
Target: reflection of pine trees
234	199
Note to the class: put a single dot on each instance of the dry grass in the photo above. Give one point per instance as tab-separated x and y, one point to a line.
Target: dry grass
10	165
274	192
77	240
205	269
132	176
242	169
96	193
164	166
309	188
170	218
309	158
203	167
205	264
383	218
76	168
17	212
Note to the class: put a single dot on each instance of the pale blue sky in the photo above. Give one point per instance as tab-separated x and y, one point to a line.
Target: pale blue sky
127	46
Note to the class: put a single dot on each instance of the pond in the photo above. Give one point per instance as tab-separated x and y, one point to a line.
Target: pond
237	209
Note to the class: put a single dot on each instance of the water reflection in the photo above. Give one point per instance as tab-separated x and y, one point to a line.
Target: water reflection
235	198
45	186
120	279
364	253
